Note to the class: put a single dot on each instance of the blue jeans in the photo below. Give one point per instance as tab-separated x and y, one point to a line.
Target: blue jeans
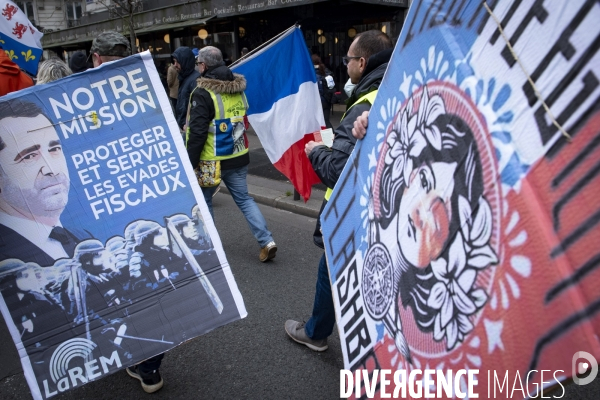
235	180
320	325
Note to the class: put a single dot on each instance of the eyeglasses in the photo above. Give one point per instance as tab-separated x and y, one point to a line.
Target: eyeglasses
347	59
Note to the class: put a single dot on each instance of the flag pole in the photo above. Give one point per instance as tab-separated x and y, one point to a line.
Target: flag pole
296	25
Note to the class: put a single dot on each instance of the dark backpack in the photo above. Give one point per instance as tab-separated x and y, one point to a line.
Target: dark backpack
325	92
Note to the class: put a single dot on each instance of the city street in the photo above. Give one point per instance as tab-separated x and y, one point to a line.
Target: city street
462	227
251	358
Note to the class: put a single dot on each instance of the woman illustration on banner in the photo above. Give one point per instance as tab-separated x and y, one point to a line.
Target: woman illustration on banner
429	224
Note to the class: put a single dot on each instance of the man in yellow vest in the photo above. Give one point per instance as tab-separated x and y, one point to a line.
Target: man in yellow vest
216	133
366	61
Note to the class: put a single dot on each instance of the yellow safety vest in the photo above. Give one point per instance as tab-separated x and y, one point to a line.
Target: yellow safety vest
369	98
226	132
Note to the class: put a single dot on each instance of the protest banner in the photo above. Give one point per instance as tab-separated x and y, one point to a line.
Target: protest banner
463	233
108	254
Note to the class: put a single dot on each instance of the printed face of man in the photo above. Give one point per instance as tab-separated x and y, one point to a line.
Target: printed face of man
34	179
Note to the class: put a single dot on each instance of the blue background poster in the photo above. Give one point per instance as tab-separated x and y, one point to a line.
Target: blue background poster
110	256
116	162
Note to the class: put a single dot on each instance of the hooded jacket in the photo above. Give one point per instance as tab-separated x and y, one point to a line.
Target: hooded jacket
187	81
202	111
329	163
12	78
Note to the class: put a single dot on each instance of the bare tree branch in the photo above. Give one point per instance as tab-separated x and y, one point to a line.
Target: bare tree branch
125	9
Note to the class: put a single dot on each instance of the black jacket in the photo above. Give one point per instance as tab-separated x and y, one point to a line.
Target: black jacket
325	93
187	81
202	112
329	163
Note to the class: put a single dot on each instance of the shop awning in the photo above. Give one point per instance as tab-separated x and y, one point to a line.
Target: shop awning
164	27
392	3
82	34
75	42
171	17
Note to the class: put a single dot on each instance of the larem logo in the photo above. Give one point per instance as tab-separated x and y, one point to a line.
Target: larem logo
418	384
65	376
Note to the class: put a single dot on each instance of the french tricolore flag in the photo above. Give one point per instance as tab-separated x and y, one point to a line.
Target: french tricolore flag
285	107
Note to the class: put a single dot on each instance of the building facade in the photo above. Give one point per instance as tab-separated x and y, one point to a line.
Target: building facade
328	25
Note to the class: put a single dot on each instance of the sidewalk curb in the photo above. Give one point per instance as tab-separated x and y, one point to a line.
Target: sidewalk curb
279	199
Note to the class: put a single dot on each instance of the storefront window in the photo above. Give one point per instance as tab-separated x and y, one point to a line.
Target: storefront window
224	40
333	44
156	45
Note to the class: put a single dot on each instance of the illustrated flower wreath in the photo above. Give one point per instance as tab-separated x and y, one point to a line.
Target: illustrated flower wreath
453	295
407	138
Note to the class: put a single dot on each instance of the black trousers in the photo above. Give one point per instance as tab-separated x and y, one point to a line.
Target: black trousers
326	115
147	368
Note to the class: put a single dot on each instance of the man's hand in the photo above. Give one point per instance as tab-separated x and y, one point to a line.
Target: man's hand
311	145
360	125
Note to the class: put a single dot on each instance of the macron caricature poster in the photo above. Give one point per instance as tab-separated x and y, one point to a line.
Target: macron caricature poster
108	254
464	232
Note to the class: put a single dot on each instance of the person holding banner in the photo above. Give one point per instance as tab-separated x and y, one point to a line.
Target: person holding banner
110	46
217	132
367	60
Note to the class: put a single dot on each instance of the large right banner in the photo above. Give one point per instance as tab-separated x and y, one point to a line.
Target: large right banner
464	233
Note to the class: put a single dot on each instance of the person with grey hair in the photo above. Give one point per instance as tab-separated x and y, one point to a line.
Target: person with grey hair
51	70
217	132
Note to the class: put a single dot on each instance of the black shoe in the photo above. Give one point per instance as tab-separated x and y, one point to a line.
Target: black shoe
151	383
